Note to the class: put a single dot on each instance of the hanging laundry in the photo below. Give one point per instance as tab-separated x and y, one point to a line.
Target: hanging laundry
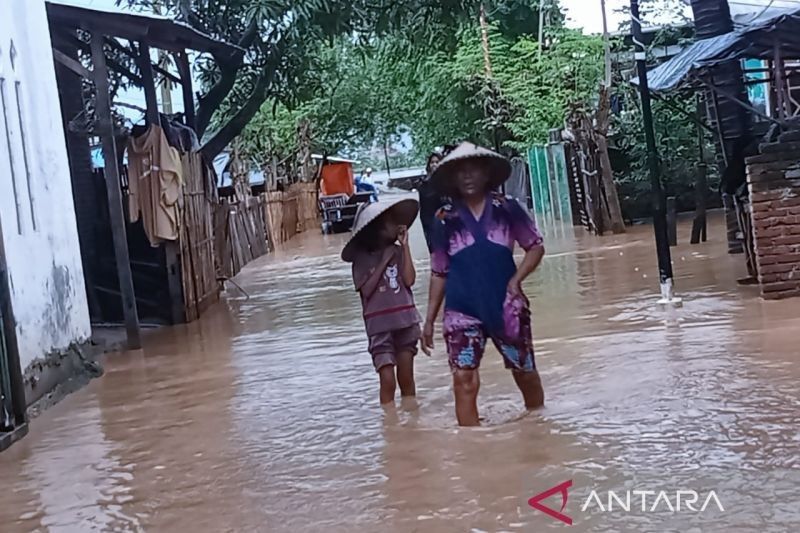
155	183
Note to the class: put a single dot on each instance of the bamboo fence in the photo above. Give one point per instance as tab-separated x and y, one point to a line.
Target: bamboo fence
198	270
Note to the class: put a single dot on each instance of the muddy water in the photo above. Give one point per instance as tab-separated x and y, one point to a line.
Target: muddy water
264	415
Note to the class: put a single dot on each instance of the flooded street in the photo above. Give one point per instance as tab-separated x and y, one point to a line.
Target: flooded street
264	415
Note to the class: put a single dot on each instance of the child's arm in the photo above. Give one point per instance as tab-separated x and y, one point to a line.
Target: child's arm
367	274
409	272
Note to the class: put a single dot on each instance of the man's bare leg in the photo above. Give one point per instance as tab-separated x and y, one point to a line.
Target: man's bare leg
530	385
465	387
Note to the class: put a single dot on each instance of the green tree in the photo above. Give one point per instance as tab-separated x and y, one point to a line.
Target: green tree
277	41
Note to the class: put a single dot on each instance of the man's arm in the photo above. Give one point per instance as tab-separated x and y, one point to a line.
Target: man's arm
435	300
529	264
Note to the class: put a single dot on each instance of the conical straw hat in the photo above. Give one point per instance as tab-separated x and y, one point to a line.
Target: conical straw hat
405	212
499	168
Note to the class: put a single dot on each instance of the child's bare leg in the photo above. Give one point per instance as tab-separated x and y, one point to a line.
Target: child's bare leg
405	373
388	383
530	385
465	386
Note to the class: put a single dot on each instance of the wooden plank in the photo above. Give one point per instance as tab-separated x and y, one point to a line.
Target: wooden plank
105	129
614	209
182	61
113	43
72	64
71	40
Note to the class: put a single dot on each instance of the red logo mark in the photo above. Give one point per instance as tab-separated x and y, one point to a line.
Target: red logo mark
535	502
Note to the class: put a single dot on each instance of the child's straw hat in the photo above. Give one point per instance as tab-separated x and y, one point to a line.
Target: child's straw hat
404	212
499	167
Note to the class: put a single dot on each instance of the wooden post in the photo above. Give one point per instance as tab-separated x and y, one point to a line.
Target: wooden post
386	158
610	188
700	224
182	61
780	82
148	84
672	221
105	129
171	248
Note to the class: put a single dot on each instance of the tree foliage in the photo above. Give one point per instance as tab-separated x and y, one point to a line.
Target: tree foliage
369	72
277	41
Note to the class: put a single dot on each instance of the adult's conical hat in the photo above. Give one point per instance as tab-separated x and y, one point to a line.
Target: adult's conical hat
499	167
404	212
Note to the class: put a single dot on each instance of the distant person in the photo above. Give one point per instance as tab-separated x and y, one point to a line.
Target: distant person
472	264
364	183
430	200
383	274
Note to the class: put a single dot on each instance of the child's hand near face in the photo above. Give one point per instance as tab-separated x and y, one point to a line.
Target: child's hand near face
402	235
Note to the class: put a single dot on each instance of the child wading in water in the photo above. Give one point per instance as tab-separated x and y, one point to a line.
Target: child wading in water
472	264
383	274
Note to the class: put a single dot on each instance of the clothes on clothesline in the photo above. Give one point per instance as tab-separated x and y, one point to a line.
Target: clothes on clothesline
180	136
154	185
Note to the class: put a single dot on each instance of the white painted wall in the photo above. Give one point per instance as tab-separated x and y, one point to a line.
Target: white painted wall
36	210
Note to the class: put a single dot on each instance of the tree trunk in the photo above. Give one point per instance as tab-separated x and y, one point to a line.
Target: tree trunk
239	121
208	103
229	67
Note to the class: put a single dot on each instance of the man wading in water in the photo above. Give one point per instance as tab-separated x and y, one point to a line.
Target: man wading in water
472	264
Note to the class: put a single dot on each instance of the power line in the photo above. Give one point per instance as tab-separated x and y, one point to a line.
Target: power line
753	4
756	16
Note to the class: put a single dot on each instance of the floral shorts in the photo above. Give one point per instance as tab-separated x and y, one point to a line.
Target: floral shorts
466	342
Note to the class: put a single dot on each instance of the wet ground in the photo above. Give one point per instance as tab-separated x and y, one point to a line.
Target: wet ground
264	415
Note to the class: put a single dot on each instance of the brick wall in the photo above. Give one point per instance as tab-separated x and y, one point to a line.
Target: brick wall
774	182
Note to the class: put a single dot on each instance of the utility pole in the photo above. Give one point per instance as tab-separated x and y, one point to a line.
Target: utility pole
658	198
541	25
606	45
487	62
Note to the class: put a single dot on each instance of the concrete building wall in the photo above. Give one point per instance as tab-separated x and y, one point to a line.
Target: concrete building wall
36	206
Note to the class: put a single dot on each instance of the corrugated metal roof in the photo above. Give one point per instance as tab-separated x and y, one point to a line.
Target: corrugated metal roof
669	75
755	41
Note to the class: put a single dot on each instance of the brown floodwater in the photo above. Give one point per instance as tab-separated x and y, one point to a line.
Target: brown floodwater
264	415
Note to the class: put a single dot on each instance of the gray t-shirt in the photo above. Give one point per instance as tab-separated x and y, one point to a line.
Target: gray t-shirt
387	302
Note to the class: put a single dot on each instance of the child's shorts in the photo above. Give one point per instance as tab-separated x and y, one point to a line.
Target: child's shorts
384	347
466	339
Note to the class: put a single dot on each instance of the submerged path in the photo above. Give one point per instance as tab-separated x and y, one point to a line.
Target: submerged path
263	416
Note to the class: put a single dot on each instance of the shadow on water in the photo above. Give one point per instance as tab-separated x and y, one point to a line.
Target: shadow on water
263	416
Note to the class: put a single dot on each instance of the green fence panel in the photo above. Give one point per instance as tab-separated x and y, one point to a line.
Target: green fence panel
560	177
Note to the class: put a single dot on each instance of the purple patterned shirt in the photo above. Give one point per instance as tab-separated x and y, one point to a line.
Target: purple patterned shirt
504	222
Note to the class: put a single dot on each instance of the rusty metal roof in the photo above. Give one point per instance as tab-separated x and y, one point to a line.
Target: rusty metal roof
754	41
159	32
